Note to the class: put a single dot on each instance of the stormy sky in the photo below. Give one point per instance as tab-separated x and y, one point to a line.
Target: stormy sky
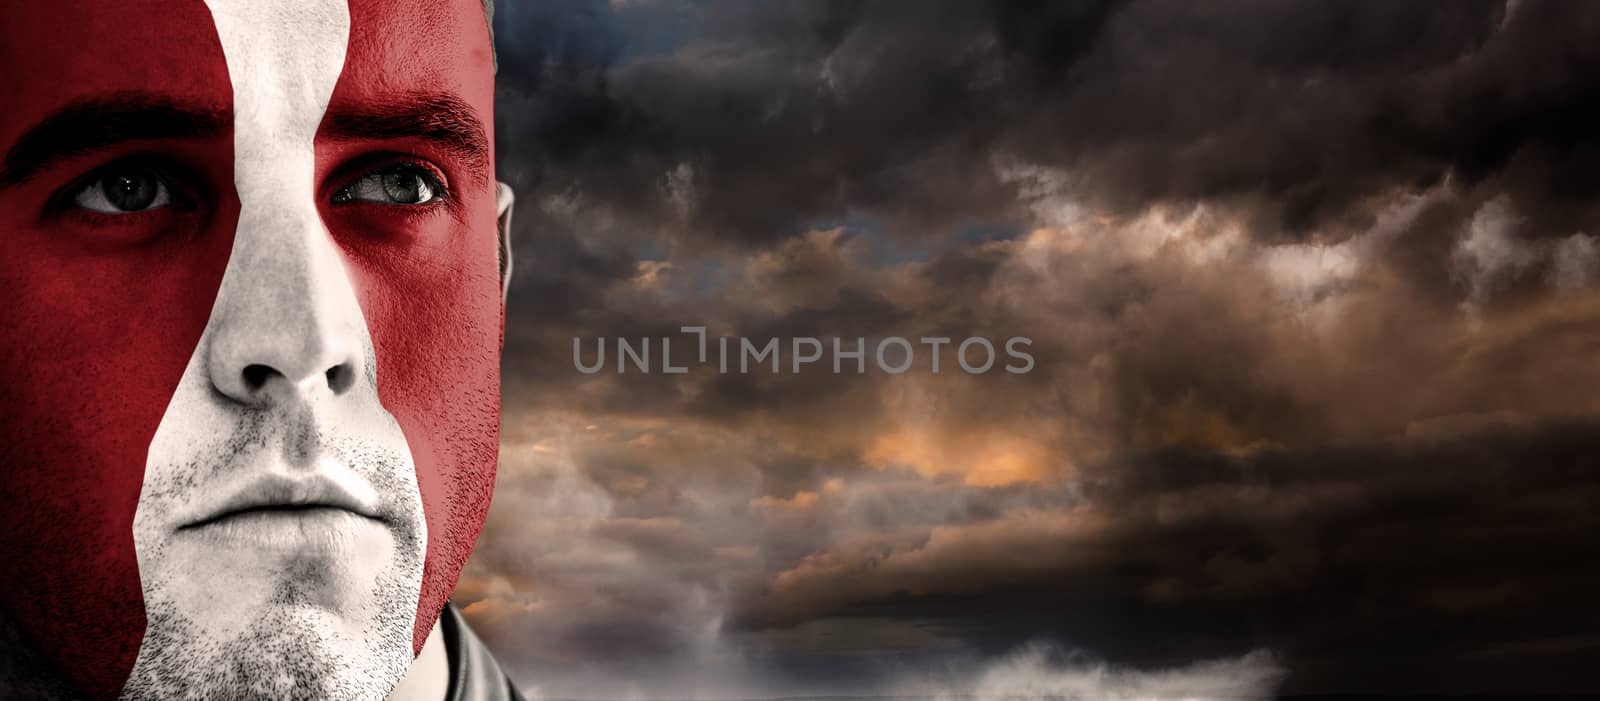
1313	291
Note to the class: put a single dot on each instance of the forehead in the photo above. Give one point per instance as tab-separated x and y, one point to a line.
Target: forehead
54	53
412	45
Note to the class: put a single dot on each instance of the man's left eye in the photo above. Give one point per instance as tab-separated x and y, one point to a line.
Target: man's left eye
402	184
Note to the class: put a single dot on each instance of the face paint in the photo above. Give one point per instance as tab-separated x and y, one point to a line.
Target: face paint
104	310
428	280
318	323
278	407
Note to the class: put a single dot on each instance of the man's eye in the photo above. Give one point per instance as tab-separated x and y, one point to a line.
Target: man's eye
403	184
124	191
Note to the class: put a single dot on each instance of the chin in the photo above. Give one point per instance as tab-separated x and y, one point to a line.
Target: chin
292	654
295	641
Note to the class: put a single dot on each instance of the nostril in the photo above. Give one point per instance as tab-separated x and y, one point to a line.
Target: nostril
255	376
340	378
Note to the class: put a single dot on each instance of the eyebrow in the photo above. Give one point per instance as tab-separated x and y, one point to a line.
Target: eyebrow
103	121
443	119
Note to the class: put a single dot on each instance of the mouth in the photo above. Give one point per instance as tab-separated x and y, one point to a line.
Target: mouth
269	512
283	510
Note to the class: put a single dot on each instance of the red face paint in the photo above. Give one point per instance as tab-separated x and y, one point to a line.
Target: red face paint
104	312
428	283
108	310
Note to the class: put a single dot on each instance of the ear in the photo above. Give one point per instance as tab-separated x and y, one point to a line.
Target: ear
503	199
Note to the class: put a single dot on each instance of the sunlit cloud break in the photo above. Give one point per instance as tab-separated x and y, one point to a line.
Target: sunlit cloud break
1044	671
1037	671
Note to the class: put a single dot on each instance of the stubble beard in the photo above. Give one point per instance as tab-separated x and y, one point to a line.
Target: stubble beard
289	652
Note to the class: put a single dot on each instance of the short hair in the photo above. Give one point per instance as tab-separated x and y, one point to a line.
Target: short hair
488	16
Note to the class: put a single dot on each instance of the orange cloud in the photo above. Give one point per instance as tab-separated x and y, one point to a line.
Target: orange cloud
989	459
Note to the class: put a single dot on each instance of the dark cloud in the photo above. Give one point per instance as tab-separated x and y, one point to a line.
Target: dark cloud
1359	566
791	113
1311	290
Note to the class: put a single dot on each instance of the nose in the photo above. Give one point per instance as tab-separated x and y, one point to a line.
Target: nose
286	325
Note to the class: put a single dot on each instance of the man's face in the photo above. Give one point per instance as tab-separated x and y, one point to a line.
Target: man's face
251	356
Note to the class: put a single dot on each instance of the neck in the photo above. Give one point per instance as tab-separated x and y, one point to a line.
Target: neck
429	676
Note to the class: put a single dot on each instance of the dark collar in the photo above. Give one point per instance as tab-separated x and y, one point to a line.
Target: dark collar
474	675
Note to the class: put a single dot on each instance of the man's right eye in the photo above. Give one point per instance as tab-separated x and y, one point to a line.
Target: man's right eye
124	191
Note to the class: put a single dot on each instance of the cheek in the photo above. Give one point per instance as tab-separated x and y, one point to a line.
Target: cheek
434	312
96	339
96	344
